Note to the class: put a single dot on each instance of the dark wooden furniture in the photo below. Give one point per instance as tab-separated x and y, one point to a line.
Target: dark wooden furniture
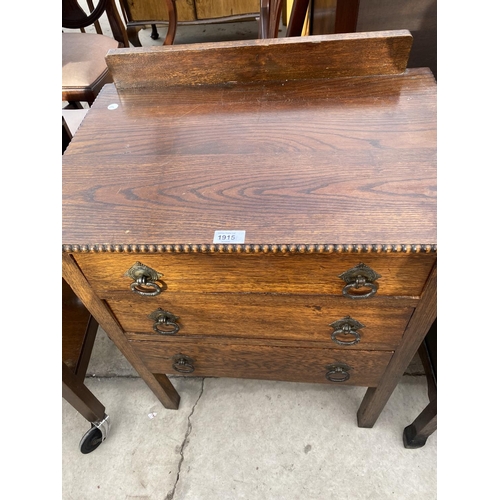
271	12
79	330
417	16
333	16
159	12
298	17
269	18
84	70
153	12
416	434
322	150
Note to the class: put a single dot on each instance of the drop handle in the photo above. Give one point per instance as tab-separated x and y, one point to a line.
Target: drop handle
165	323
338	372
183	363
345	331
360	276
144	280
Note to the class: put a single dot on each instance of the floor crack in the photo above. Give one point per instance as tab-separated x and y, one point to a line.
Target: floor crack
171	493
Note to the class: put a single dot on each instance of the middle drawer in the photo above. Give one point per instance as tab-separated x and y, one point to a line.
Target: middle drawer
317	318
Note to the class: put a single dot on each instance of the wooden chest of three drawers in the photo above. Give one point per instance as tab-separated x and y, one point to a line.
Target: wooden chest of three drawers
326	184
278	316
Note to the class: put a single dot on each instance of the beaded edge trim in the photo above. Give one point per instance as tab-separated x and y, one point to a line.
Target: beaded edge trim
248	248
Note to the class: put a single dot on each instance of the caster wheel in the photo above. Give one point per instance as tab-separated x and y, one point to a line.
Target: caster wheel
91	440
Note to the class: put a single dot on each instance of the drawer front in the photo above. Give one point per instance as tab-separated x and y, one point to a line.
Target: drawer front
316	318
295	364
400	274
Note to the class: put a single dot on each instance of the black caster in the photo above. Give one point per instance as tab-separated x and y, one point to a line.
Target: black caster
95	436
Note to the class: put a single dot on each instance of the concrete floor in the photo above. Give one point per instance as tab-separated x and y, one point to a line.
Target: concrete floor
242	439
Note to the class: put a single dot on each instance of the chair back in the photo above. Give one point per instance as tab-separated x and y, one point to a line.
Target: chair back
74	17
270	16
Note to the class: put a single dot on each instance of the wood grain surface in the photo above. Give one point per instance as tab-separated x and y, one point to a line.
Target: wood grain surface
188	10
153	10
212	9
296	58
264	316
264	362
331	161
401	274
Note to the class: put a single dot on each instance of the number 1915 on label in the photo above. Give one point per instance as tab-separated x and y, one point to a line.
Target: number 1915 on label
229	237
226	237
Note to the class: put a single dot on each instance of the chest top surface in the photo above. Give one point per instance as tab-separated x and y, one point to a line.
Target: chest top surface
310	160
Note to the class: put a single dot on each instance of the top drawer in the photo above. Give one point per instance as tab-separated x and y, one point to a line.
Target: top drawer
399	274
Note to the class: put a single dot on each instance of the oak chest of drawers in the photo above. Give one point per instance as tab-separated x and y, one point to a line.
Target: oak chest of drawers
260	210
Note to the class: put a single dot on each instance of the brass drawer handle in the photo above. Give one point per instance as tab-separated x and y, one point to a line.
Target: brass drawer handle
183	364
360	276
346	327
144	280
338	372
165	322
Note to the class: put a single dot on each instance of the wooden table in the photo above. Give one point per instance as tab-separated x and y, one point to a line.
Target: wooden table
259	209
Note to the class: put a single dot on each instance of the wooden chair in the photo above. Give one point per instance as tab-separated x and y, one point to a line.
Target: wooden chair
84	70
416	434
79	329
159	12
269	19
270	16
151	17
297	17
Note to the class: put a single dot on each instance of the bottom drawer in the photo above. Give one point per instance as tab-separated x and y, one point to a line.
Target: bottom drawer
295	364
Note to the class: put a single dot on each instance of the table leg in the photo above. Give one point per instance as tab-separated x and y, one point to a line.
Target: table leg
416	434
376	397
80	397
